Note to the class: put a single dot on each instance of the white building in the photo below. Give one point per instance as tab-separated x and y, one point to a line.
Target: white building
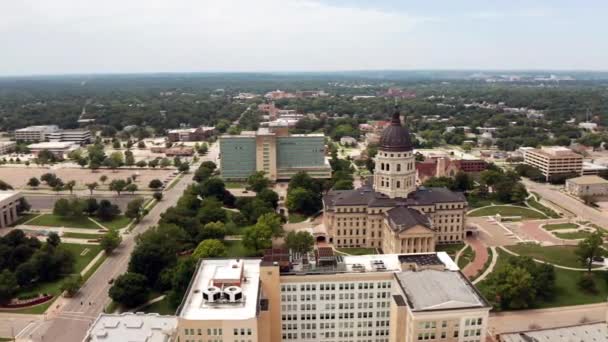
348	141
587	186
7	146
132	327
59	148
9	201
77	136
35	133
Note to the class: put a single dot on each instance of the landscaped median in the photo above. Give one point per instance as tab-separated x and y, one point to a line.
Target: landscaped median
507	211
84	222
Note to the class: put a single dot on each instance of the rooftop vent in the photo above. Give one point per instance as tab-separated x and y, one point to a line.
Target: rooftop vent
234	293
212	294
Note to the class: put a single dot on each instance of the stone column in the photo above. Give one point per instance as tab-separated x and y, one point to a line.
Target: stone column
14	211
2	223
430	244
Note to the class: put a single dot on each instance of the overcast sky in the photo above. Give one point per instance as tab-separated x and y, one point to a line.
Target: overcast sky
125	36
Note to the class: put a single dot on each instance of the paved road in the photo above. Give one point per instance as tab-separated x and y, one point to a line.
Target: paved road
513	321
69	319
552	193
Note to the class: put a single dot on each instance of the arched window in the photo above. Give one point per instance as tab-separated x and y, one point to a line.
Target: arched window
388	167
382	166
398	167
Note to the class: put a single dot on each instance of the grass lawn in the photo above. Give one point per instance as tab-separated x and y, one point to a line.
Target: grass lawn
50	220
547	211
235	185
507	210
81	236
560	226
82	260
559	255
22	219
235	248
296	218
162	307
572	235
451	249
118	222
357	251
567	291
466	257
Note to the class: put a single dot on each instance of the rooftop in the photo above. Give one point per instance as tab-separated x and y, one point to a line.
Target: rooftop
51	145
588	180
593	332
220	274
8	194
132	327
38	128
555	152
366	196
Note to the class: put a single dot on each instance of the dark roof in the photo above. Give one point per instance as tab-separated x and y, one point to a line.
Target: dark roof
367	196
396	138
420	259
427	196
401	218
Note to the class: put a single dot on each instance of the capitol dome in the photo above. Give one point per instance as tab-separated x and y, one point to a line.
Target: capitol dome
395	137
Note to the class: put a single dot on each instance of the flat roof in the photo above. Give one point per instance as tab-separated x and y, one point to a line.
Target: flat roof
194	307
6	194
431	289
588	180
593	332
38	128
51	145
132	327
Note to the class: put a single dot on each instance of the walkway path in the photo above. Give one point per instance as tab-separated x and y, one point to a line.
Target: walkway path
481	256
490	267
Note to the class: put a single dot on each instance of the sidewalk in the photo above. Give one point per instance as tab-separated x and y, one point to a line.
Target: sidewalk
481	257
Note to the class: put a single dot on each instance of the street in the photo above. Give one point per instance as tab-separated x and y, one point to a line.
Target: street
69	318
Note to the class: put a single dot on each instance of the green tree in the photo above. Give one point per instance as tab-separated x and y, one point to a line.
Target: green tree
299	242
511	287
62	207
212	230
70	186
258	181
302	201
590	248
209	249
110	241
518	193
118	185
33	182
141	164
135	209
92	186
71	285
257	238
343	184
165	163
183	167
131	188
130	289
103	179
107	211
273	221
155	184
53	239
157	196
8	286
129	158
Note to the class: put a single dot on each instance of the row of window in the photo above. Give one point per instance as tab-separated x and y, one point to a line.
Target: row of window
333	286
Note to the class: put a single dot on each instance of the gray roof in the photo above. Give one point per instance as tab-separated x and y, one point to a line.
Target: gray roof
431	289
132	327
365	195
401	219
594	332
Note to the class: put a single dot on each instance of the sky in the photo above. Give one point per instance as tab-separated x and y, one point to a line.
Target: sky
138	36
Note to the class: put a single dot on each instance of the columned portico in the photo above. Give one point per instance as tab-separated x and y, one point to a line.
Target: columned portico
9	200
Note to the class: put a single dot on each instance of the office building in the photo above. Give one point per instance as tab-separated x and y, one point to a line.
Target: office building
389	211
132	327
59	149
554	161
9	201
35	133
369	298
447	167
190	134
7	147
76	136
276	152
583	186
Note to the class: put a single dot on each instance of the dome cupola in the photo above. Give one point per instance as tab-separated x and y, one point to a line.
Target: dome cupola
395	137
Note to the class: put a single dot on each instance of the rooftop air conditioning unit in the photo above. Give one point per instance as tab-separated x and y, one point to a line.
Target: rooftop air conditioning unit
212	294
234	293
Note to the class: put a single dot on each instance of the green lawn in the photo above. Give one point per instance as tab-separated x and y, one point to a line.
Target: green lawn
235	248
81	236
573	235
547	211
82	260
466	257
560	226
162	307
22	219
559	255
357	251
567	291
118	222
235	185
451	249
296	218
50	220
507	210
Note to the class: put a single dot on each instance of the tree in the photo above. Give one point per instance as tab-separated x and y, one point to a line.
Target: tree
202	174
49	178
463	181
8	286
209	165
23	206
82	162
512	287
269	196
590	248
141	145
273	221
209	249
91	206
62	207
211	211
131	188
518	193
302	201
5	186
70	186
258	181
71	285
157	196
165	163
134	209
129	158
110	240
92	186
153	163
155	184
103	179
33	182
343	184
53	239
299	242
183	167
107	211
118	185
257	238
203	149
213	187
141	164
130	289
